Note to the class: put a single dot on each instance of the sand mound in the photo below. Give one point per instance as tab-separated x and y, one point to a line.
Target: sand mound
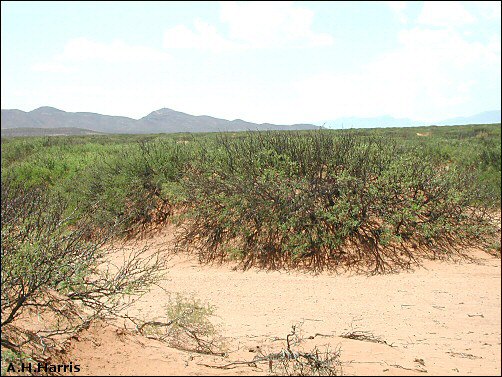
442	318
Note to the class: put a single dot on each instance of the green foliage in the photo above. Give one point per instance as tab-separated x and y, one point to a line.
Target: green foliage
277	198
51	256
16	358
190	313
188	325
319	199
40	250
137	186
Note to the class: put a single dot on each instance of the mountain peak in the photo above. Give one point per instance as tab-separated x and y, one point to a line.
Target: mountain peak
47	109
162	112
163	120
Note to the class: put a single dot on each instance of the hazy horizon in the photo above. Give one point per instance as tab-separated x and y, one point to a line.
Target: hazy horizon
281	63
487	117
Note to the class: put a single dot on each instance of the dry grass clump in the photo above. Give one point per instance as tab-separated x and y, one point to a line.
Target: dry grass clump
187	326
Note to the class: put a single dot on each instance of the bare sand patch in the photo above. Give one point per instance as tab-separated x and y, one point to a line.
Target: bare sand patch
440	319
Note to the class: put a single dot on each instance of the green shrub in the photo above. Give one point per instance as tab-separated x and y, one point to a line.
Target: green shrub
50	261
298	198
137	186
187	326
318	200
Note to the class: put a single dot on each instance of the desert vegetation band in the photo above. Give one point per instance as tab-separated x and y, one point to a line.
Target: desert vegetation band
370	201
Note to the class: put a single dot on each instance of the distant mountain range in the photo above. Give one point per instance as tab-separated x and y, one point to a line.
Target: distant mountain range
160	121
486	117
50	121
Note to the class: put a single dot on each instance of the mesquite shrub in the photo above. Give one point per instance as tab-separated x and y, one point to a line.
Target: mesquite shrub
321	200
134	186
51	259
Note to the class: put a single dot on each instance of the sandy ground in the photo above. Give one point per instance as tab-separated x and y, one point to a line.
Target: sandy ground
441	319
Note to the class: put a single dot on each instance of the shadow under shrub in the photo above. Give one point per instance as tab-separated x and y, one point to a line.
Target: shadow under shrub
320	200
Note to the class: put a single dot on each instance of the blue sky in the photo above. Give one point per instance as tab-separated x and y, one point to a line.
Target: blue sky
286	62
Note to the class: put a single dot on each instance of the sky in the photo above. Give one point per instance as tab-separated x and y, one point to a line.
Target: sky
283	63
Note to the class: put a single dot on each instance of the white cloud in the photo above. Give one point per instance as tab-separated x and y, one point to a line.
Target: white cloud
52	67
268	24
204	36
80	50
430	75
445	14
398	8
251	25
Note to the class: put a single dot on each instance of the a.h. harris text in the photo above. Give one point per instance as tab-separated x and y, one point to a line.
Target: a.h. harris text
43	367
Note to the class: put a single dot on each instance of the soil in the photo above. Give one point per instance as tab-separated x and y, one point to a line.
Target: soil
443	318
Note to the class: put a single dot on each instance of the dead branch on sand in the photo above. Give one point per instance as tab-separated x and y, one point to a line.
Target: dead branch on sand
365	336
290	362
